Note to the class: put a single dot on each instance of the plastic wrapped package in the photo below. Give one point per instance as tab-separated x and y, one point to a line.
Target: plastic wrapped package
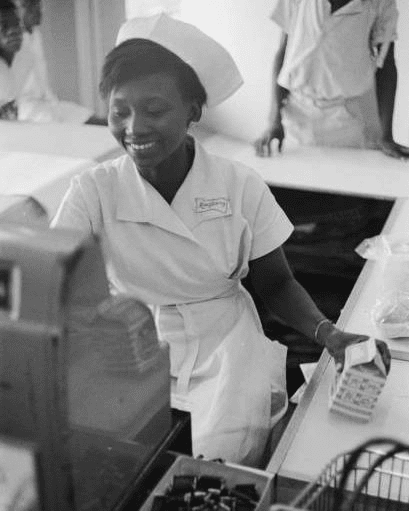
392	316
390	313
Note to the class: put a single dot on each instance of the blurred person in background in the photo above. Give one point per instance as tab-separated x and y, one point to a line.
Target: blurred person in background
334	75
11	38
36	100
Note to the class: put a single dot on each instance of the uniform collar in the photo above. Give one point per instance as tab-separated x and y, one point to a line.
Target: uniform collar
202	196
353	7
133	203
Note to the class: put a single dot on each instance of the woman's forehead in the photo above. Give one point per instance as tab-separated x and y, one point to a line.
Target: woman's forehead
152	85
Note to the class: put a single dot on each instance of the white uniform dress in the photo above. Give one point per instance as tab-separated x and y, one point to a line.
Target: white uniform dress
329	68
186	260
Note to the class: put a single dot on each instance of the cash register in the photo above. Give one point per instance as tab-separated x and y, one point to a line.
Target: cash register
84	380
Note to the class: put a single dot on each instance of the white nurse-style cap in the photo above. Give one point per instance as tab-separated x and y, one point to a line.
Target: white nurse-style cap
212	63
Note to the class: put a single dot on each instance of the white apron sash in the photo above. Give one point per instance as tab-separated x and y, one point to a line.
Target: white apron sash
237	393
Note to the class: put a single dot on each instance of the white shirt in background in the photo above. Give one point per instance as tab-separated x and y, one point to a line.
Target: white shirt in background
329	68
332	55
36	101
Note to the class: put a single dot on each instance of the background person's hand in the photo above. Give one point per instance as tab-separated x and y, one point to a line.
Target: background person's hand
336	341
263	144
395	150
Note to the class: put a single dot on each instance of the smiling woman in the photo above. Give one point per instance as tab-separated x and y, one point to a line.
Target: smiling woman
181	228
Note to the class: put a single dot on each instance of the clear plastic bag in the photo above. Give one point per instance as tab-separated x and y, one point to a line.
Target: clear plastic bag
390	313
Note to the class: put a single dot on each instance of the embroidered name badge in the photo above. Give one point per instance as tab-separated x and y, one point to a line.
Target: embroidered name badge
220	204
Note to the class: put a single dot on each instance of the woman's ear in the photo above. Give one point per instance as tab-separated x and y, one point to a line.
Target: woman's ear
195	112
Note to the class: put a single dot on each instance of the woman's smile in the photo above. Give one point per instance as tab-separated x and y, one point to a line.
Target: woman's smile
141	149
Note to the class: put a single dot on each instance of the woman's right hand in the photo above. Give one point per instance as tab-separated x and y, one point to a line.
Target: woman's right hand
336	340
275	132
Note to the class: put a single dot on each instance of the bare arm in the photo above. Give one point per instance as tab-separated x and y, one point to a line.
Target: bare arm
275	285
278	95
386	83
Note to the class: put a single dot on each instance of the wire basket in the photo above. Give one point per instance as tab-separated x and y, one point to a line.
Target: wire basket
373	477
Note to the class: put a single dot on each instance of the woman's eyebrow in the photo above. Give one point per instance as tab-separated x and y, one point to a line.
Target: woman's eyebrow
118	99
157	100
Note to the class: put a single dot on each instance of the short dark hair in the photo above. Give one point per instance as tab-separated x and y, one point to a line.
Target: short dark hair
7	5
140	57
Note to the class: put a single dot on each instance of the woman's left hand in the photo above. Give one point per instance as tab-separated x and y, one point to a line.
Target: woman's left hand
336	341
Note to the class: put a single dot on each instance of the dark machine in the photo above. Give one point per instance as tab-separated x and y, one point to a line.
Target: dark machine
84	381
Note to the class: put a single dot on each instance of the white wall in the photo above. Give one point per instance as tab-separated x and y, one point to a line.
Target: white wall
244	28
58	30
96	24
77	35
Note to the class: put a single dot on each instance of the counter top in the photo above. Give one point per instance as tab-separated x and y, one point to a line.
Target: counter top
59	139
368	289
323	434
41	176
38	160
358	172
344	171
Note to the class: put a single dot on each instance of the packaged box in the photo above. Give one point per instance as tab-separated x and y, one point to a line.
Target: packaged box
230	473
355	391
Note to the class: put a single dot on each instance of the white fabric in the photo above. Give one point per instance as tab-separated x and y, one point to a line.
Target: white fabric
353	122
186	260
36	101
140	8
37	78
213	65
329	69
332	55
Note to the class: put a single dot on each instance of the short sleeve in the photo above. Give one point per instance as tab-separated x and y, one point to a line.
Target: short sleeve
79	208
270	226
282	13
385	27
